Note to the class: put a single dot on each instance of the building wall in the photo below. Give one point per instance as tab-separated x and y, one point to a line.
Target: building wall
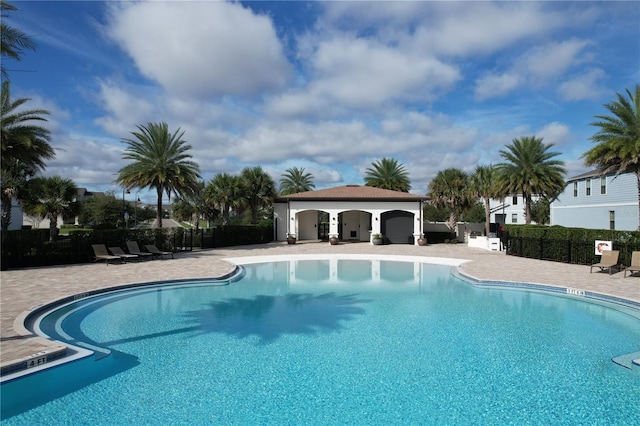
578	206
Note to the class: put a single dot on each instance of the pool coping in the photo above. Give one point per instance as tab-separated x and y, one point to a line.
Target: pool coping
56	353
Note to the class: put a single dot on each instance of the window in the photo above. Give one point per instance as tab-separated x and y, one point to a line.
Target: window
612	219
575	189
603	185
514	201
514	217
587	191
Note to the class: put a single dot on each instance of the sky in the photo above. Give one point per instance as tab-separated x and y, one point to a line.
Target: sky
327	86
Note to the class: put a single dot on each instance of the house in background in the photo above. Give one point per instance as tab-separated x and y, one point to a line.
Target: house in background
507	211
595	201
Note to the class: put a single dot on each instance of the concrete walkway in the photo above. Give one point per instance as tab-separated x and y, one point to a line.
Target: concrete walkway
22	291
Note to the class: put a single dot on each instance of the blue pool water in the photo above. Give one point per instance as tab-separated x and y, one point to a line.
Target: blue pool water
336	342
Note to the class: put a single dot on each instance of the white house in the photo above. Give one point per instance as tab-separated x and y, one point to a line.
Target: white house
509	210
594	201
352	212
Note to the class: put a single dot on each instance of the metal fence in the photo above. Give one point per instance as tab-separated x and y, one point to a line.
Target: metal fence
31	248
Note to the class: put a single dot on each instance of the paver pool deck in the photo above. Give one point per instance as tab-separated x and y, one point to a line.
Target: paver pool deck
23	290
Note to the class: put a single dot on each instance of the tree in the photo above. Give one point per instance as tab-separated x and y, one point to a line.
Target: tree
193	206
434	214
259	190
105	210
160	161
296	180
618	138
484	185
541	211
12	40
450	189
387	173
14	177
50	197
224	191
530	170
21	139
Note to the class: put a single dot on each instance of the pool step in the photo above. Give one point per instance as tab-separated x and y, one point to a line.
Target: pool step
628	360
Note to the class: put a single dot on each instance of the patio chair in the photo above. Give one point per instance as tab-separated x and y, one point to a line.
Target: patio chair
132	247
157	252
635	263
117	251
608	260
100	253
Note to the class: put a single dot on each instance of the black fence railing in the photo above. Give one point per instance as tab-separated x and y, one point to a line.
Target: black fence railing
30	248
566	251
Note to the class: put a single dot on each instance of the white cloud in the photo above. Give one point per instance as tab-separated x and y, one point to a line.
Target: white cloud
207	48
539	66
453	28
86	161
556	133
496	85
583	86
361	73
547	62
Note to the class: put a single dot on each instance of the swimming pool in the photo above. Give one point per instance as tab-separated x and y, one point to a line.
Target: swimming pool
333	341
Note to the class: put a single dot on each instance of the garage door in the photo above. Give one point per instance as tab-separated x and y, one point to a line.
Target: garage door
397	227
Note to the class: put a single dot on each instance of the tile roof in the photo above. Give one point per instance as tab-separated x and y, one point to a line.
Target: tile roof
352	192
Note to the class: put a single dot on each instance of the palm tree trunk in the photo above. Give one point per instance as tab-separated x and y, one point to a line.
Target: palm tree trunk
487	216
159	205
53	227
225	214
453	220
527	208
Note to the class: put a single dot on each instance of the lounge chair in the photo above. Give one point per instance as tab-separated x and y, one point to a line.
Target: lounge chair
132	247
157	252
117	251
101	253
608	260
635	264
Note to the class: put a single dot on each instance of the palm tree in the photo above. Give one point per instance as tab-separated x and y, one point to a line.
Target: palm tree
484	185
160	161
224	191
387	173
12	40
50	197
450	189
296	180
530	170
15	175
21	139
618	138
24	147
193	206
259	190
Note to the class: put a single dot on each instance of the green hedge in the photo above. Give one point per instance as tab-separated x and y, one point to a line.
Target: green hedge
570	245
